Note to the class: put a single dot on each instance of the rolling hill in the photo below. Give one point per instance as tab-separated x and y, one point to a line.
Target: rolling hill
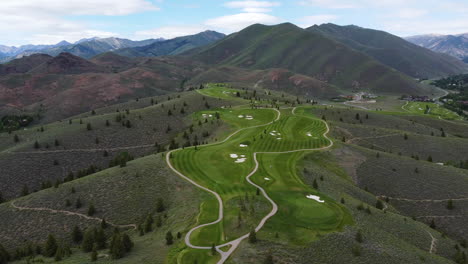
289	47
454	45
393	51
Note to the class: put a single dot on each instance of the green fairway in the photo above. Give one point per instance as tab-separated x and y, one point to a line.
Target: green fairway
223	167
220	91
430	109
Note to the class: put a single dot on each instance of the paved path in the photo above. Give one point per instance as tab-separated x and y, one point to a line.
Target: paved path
235	243
43	209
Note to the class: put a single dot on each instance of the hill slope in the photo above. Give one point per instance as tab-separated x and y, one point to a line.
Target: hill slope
455	45
290	47
173	46
393	51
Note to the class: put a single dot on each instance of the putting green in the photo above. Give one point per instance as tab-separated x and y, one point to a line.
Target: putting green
430	109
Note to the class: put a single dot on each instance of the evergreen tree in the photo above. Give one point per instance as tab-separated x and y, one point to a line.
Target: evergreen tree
77	235
160	205
432	224
36	145
51	246
25	190
213	249
268	259
450	204
94	254
429	158
149	224
103	223
59	254
359	237
379	204
127	243
315	184
252	237
4	255
100	238
78	203
117	249
16	138
88	241
88	126
169	238
91	210
405	136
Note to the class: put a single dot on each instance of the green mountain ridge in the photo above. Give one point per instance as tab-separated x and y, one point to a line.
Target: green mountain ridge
393	51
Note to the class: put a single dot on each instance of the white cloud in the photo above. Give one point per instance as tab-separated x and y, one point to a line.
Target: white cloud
410	13
169	32
76	7
418	27
232	23
333	4
44	22
316	20
252	6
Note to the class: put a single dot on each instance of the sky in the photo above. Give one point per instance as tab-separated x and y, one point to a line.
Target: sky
51	21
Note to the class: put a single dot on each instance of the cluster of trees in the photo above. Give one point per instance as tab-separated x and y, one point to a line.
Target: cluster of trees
121	160
10	123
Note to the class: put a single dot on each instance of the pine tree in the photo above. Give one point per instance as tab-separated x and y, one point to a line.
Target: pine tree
103	223
379	204
160	205
359	237
169	238
429	158
78	203
50	247
213	249
88	126
2	200
252	237
77	235
4	255
94	254
100	238
117	249
149	224
88	241
127	243
450	204
16	138
405	136
268	259
36	145
59	254
315	184
25	190
91	210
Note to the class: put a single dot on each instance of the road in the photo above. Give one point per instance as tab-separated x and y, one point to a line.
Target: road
235	243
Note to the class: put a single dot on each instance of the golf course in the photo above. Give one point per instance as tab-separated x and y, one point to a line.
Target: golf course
252	180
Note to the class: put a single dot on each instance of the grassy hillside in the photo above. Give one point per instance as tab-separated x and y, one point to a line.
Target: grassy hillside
289	47
393	51
351	225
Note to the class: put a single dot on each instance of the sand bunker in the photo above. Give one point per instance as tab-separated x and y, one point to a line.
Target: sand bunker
234	156
315	197
249	117
267	179
243	146
309	134
278	138
240	116
240	160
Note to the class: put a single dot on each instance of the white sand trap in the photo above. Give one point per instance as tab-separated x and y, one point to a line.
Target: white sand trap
315	197
242	156
243	146
241	160
204	115
278	138
273	134
267	179
309	134
210	115
274	131
240	116
249	118
420	108
234	156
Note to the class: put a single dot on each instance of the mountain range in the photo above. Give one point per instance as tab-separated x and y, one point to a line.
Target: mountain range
321	61
454	45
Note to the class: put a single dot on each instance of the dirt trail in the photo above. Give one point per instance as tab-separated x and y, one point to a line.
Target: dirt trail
79	150
235	243
43	209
